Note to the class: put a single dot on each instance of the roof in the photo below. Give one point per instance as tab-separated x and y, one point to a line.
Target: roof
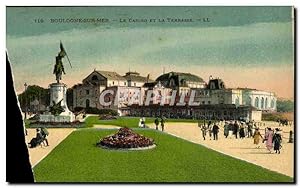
136	78
216	84
150	84
111	75
180	78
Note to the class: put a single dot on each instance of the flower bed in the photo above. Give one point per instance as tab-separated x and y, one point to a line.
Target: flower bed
125	138
74	124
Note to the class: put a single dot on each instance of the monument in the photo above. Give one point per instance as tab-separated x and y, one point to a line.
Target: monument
58	111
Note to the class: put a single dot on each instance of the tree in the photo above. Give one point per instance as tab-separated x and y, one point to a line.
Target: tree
285	106
34	92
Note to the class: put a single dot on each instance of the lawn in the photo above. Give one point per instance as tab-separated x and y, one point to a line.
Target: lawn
128	121
77	159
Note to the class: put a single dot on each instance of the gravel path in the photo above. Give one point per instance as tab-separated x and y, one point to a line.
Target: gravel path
56	136
240	148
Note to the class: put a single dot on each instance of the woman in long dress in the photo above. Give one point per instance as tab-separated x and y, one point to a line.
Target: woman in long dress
257	136
277	141
226	129
269	139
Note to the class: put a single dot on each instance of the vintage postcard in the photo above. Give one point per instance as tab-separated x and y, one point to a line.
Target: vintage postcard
154	94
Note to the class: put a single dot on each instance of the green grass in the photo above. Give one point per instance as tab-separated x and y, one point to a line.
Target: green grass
77	159
127	121
27	123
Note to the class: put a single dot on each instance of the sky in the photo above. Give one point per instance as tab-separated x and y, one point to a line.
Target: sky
245	46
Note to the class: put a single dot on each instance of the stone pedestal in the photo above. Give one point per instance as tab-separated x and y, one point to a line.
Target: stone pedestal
58	93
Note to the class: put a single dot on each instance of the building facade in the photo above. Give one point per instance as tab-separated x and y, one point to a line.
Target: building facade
171	95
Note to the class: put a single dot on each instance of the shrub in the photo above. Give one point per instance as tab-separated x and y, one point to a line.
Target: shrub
271	116
101	111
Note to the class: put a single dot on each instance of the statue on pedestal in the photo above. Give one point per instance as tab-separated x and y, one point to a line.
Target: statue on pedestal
59	67
58	111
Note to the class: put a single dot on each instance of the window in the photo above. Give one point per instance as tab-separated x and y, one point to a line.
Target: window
113	83
87	103
125	83
94	77
262	103
203	102
256	102
266	103
208	102
87	92
134	84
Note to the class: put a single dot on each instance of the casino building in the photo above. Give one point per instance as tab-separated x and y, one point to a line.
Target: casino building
170	95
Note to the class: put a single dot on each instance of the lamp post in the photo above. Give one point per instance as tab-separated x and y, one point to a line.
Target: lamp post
25	85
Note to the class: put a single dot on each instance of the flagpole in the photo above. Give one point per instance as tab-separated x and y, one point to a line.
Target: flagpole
68	59
66	53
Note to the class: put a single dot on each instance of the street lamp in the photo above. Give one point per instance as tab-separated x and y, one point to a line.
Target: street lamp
25	85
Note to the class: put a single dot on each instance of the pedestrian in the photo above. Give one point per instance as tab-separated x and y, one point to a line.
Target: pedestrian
215	131
249	127
242	131
209	128
203	130
231	128
226	129
277	141
45	134
257	136
143	122
156	121
162	123
140	123
269	139
235	129
39	137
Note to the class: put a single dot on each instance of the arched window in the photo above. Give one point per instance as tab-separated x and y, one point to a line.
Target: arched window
172	83
256	102
266	103
87	103
262	102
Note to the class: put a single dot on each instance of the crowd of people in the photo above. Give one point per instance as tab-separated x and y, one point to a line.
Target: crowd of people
240	130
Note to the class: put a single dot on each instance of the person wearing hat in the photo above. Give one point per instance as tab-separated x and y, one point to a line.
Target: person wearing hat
277	141
242	131
257	136
235	129
226	129
269	139
203	130
215	131
39	137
